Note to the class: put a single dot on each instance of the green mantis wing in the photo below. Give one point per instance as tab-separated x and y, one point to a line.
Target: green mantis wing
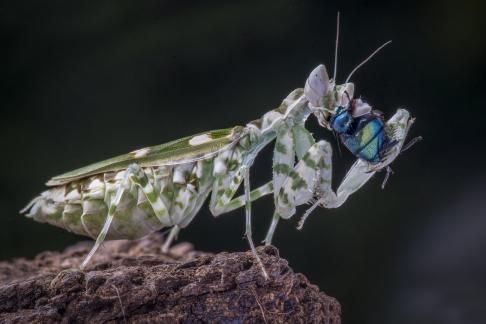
189	148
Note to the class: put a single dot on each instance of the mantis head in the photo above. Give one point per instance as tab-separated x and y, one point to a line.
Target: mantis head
325	96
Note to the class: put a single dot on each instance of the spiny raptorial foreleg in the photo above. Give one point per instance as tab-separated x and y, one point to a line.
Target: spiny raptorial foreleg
292	141
310	177
397	128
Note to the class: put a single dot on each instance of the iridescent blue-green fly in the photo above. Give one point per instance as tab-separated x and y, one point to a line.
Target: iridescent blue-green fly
364	135
362	130
164	186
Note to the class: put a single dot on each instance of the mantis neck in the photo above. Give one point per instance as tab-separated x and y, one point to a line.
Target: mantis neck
294	110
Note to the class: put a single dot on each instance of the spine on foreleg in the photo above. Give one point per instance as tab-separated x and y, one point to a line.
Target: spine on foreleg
313	171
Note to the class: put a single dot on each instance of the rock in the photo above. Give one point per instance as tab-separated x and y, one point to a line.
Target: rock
131	281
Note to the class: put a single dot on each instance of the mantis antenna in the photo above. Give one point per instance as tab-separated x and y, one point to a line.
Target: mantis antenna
366	60
336	49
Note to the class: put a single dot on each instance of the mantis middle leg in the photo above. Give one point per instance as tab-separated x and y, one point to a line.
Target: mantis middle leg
292	141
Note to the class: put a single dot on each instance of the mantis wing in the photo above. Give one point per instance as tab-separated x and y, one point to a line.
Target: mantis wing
191	148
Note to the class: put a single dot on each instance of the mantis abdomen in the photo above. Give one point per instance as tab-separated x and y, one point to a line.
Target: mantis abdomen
82	206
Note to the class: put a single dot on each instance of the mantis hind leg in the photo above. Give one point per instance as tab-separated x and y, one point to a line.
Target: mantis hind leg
104	231
134	174
109	218
168	242
138	177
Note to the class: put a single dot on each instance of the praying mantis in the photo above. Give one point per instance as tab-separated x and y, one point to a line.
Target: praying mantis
132	195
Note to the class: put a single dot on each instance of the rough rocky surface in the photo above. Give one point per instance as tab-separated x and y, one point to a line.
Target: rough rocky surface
132	282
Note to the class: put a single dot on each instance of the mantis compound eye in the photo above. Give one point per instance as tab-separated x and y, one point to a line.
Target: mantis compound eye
317	86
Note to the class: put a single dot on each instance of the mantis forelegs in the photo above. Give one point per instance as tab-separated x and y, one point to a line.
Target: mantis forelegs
291	142
312	178
312	172
311	175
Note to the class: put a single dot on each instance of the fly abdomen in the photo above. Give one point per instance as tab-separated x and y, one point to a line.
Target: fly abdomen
366	139
372	139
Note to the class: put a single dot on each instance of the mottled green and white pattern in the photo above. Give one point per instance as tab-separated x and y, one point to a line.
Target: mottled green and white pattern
132	195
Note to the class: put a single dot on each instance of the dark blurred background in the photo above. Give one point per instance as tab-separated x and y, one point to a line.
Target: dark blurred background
86	80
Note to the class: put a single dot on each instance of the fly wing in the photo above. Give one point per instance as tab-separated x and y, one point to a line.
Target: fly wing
191	148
